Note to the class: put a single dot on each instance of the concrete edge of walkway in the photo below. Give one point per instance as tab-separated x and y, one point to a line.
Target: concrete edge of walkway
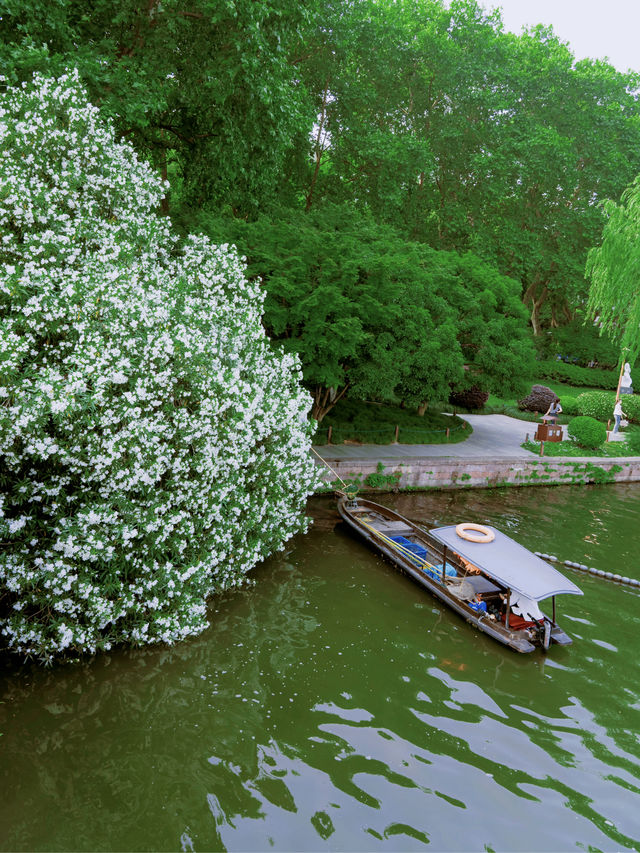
391	474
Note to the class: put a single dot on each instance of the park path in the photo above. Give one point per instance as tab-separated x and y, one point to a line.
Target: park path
493	437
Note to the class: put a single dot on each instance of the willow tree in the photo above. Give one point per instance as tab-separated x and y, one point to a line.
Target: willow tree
614	270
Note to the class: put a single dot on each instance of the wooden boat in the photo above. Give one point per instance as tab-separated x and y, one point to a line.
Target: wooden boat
486	577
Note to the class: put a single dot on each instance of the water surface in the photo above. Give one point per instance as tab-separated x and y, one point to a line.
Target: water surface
337	706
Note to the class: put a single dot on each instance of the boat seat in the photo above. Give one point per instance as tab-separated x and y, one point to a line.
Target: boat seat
397	528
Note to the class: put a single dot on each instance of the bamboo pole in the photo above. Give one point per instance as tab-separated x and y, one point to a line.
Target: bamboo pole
619	381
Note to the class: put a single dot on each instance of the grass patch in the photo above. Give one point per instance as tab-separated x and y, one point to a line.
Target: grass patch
376	423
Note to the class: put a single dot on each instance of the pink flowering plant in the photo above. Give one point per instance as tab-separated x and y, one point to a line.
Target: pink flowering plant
154	446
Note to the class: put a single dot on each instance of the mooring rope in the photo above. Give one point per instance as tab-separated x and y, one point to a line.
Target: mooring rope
596	573
332	471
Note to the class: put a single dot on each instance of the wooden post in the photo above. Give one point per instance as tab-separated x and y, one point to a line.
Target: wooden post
542	448
397	433
448	431
329	435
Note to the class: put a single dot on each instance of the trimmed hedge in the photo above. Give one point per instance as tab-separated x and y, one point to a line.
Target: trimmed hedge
633	442
470	398
630	407
587	432
569	405
588	377
599	405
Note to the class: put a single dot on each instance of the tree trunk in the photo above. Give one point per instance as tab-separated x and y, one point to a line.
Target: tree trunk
319	150
535	312
536	304
324	399
422	408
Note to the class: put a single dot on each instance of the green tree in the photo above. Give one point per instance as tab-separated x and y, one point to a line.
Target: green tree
353	300
491	324
376	317
207	89
469	138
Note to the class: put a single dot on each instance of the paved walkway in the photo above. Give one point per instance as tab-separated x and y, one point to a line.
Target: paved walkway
493	437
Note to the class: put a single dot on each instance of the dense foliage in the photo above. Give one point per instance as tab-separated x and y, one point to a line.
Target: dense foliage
579	342
206	89
599	404
538	399
633	442
374	315
153	445
586	377
569	405
424	114
470	138
469	398
587	432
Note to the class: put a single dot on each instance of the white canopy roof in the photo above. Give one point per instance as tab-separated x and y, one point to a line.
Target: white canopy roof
509	563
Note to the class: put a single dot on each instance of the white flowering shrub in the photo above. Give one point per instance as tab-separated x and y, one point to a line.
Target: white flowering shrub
153	446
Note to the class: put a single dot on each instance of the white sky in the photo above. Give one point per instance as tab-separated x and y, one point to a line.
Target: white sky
593	28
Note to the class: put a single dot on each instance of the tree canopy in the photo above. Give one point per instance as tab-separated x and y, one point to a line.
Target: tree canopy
466	137
420	115
376	316
207	89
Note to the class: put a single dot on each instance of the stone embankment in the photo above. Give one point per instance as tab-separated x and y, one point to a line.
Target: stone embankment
452	473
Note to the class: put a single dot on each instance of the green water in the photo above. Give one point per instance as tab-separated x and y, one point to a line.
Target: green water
336	706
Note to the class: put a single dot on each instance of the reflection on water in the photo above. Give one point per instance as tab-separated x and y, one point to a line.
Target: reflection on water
336	706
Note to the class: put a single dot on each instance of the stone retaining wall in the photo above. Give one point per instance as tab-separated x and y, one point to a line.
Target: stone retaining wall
451	473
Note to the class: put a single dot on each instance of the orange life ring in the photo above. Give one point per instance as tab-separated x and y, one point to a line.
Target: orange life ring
463	532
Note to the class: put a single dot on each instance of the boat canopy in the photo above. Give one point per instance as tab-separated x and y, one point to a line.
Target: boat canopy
509	563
